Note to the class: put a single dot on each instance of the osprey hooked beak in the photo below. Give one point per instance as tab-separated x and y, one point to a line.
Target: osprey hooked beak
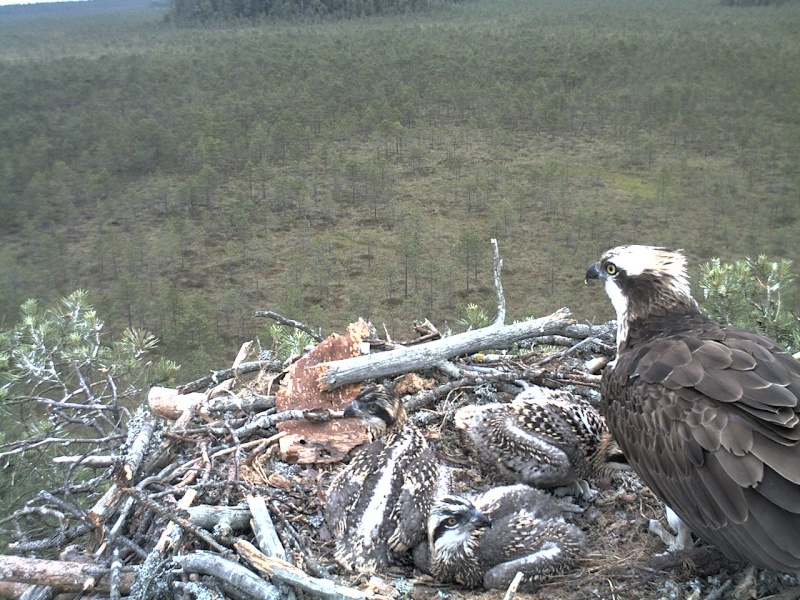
593	272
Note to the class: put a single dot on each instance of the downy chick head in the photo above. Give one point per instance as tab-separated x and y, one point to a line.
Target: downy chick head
454	527
379	408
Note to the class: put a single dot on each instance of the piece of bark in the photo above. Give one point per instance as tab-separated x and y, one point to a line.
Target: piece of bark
264	528
63	576
283	571
333	374
309	442
208	563
169	403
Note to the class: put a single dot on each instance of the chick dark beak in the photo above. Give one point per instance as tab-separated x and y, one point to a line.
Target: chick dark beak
593	272
480	520
353	410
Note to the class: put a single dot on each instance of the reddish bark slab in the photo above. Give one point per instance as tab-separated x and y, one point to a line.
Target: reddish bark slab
309	442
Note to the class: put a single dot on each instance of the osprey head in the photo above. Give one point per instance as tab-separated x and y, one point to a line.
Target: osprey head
643	281
378	407
452	527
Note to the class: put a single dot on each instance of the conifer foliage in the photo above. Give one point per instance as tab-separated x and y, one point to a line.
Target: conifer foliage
748	293
190	12
66	390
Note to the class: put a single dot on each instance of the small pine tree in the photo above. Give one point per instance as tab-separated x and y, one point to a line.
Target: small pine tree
474	317
64	390
749	293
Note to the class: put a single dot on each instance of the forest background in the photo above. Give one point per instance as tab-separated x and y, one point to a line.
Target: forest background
326	169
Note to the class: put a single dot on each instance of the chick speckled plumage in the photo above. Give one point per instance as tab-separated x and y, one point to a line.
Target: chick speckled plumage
544	438
378	505
486	540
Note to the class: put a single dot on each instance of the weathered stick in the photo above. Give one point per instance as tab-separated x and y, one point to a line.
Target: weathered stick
62	575
208	563
498	284
251	403
264	528
208	517
168	403
223	374
395	362
170	515
138	448
91	462
172	531
278	569
512	588
289	323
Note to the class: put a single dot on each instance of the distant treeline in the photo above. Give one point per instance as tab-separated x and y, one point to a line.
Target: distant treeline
757	2
205	11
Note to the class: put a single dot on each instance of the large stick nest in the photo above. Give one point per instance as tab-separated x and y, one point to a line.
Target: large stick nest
224	451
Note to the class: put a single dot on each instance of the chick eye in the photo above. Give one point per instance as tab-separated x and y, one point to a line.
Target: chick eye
611	268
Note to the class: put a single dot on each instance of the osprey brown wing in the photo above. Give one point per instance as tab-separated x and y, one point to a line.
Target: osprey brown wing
709	419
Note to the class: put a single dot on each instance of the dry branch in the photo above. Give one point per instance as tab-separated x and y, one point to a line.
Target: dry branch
315	335
278	569
425	356
223	374
208	517
498	284
133	459
264	528
64	576
208	563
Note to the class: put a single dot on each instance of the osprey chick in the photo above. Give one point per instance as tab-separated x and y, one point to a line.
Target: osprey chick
706	414
544	438
378	505
484	542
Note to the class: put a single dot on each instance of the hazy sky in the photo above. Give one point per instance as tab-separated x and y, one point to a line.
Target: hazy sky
7	2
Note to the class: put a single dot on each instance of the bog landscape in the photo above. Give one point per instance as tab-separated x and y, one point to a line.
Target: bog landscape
188	170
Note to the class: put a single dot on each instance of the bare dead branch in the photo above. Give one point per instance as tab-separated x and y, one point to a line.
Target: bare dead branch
497	266
264	528
385	364
315	335
64	576
208	563
322	588
223	374
170	515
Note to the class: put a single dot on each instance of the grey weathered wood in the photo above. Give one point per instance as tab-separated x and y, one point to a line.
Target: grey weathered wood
283	571
207	516
264	528
396	362
208	563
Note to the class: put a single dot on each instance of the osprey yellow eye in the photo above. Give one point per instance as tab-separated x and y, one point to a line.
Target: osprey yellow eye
450	521
611	268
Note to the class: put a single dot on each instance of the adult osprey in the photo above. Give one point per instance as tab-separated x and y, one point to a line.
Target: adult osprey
706	414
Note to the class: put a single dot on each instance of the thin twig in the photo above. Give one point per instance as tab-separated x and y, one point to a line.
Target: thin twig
184	523
498	284
289	323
